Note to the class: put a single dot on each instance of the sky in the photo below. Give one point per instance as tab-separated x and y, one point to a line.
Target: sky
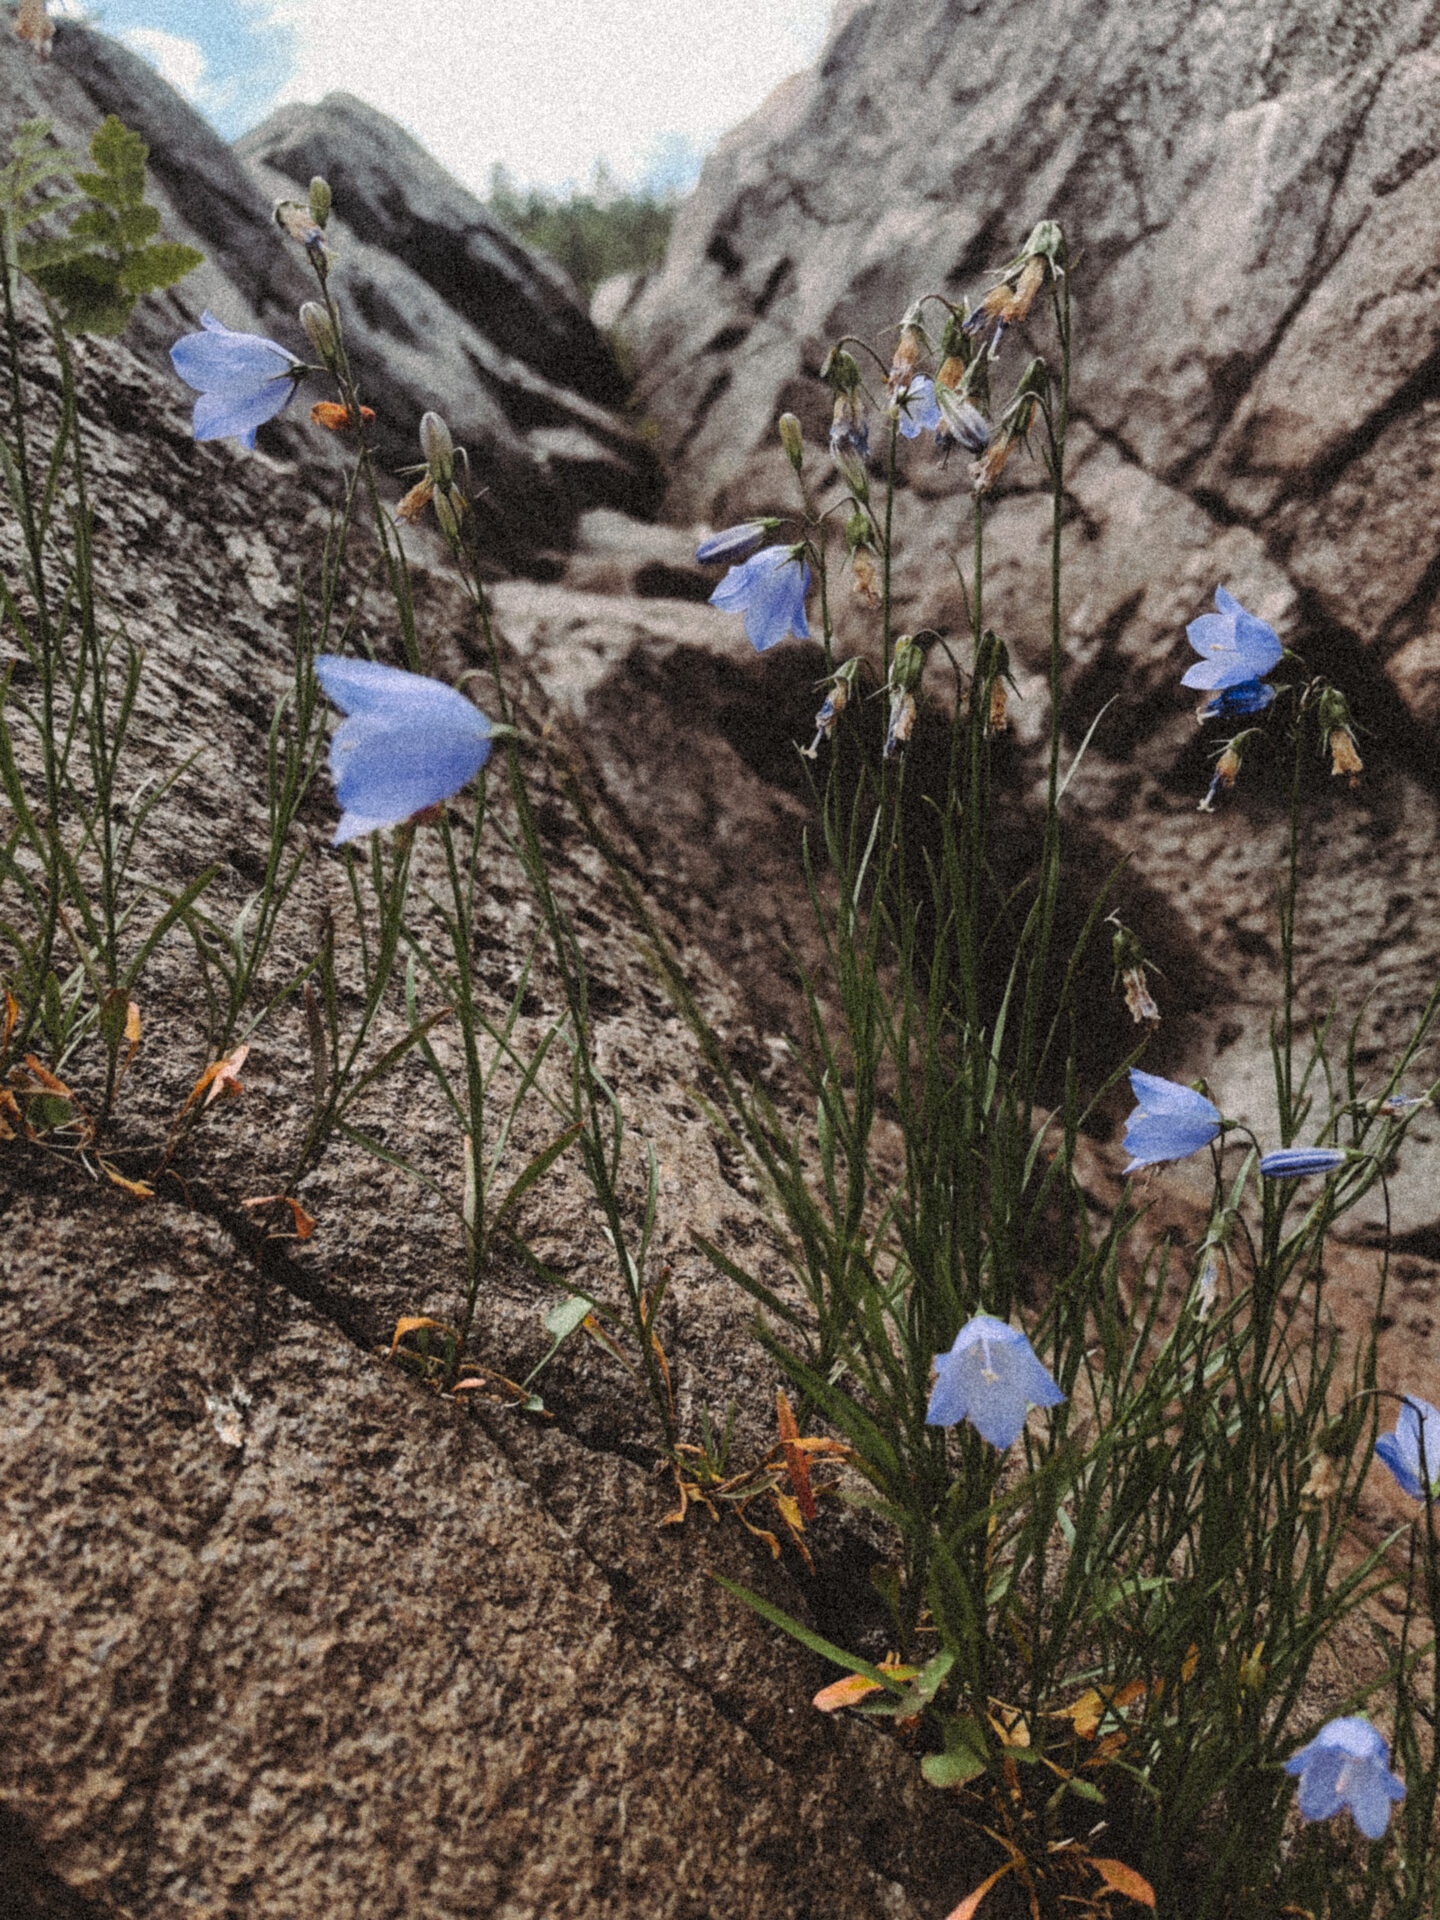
545	88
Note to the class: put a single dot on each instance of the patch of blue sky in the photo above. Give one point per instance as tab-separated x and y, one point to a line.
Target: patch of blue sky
228	58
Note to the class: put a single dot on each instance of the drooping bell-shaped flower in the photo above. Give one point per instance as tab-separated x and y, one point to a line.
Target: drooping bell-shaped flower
243	379
990	1377
408	743
769	589
1416	1431
1347	1764
1170	1122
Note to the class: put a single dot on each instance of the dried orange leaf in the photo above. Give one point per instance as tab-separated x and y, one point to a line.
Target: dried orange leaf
136	1187
45	1081
1125	1880
304	1224
968	1907
412	1323
7	1023
221	1076
844	1693
1011	1725
795	1463
789	1511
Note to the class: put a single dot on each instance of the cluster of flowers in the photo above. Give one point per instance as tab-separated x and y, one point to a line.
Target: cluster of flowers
409	743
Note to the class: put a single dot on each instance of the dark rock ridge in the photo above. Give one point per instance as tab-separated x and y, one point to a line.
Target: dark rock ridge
1250	191
444	307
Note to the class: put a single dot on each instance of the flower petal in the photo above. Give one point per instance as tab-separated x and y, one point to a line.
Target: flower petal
219	415
368	686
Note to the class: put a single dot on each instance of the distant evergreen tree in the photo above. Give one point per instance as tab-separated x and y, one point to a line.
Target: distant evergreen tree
591	234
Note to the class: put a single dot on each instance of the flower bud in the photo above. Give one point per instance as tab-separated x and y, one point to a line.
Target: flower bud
319	330
792	440
438	449
1047	239
450	505
320	200
840	371
907	664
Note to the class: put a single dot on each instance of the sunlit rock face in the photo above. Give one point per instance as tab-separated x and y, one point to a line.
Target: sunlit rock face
1248	191
444	307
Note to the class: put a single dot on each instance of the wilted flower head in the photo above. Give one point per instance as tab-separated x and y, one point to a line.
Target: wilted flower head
409	743
1345	756
1130	977
1418	1425
1338	735
836	700
769	589
243	379
1237	650
297	219
865	575
990	1377
1170	1122
1293	1163
415	501
850	442
733	543
1226	768
1347	1764
908	350
1015	425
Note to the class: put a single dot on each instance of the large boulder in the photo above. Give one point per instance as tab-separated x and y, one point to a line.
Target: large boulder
1249	204
445	307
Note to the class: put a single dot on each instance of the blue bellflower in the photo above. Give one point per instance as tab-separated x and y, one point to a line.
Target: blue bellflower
990	1377
1347	1764
1293	1163
243	380
1237	650
1400	1450
918	410
769	589
407	744
1170	1122
734	543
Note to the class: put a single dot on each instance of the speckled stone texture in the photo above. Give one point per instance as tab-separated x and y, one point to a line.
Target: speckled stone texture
285	1634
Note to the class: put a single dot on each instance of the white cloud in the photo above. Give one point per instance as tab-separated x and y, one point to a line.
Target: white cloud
181	62
550	86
